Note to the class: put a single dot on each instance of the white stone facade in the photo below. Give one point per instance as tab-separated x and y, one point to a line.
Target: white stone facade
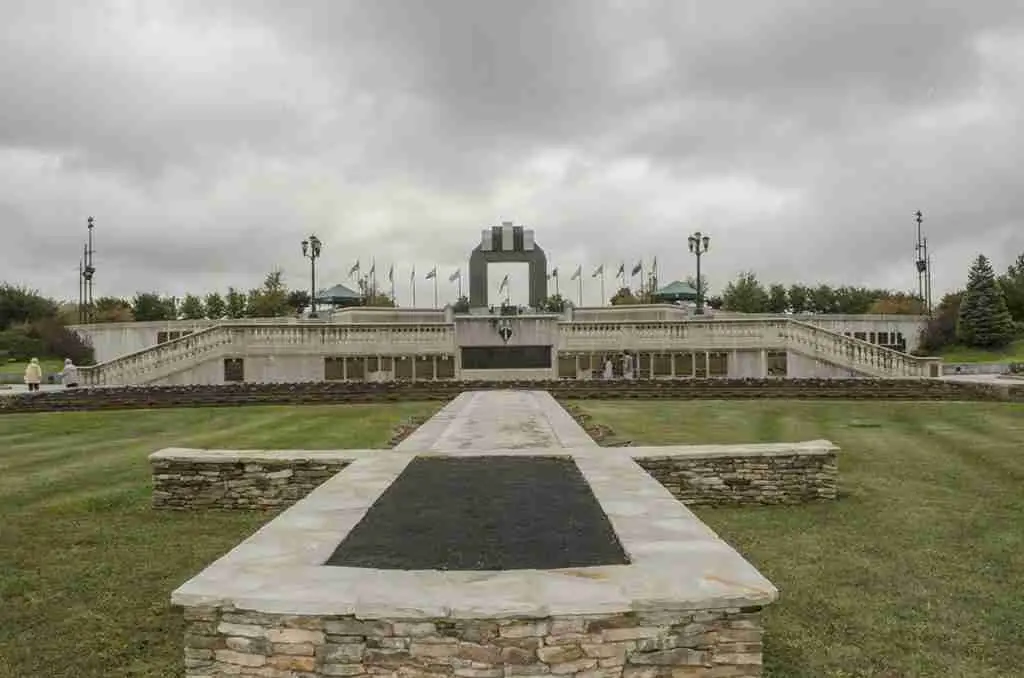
660	341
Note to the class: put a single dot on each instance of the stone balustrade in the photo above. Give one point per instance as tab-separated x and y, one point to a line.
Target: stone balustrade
240	340
861	356
361	339
669	335
157	361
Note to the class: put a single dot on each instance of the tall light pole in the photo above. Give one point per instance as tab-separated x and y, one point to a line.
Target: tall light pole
699	246
311	250
923	265
87	275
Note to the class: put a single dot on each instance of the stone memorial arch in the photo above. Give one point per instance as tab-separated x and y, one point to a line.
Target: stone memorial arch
507	244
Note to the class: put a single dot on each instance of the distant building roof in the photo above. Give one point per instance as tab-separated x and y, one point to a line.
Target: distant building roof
676	290
338	292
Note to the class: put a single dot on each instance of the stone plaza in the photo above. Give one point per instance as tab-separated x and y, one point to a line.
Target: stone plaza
685	604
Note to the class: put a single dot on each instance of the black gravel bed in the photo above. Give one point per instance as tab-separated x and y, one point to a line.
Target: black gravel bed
483	513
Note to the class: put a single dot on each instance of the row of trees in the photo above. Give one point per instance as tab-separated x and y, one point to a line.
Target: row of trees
31	326
272	299
987	313
746	294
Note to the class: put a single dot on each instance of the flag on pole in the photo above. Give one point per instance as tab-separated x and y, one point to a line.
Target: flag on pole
391	274
639	267
579	271
412	274
598	271
622	271
355	269
504	283
455	276
373	268
554	272
432	274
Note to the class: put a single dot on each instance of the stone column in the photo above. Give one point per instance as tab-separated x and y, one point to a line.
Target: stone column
763	363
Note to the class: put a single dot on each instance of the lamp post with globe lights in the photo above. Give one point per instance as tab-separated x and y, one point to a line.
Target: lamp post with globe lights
699	246
311	250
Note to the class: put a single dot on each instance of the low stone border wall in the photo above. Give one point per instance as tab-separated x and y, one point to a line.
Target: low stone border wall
698	475
145	397
738	475
657	644
238	480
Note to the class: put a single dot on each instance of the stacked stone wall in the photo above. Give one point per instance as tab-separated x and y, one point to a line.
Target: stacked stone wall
237	484
679	644
746	479
317	393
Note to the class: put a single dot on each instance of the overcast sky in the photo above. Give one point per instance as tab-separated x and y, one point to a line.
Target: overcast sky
207	138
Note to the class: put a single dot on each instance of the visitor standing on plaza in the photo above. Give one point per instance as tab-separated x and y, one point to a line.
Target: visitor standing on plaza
69	375
33	374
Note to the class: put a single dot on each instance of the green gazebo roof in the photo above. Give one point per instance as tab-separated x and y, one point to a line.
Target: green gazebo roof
676	290
337	293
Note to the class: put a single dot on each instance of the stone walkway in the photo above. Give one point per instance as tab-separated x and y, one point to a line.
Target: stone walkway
498	420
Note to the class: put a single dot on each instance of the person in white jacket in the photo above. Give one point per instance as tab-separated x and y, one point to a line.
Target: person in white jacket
69	375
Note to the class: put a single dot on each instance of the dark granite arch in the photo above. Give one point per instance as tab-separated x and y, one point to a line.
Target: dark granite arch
534	257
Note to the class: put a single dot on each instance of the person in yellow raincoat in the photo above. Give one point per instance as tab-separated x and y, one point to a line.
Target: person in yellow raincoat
33	374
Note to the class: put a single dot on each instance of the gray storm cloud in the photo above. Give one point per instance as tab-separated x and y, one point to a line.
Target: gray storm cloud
208	138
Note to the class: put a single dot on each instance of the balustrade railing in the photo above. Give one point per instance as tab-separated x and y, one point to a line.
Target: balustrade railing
671	335
856	354
359	339
157	361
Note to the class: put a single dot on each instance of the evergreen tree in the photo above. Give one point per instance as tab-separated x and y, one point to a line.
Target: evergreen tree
192	307
236	304
215	306
150	306
778	299
745	295
1012	283
984	319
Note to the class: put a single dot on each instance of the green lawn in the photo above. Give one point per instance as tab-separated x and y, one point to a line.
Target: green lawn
1014	353
17	368
87	568
916	571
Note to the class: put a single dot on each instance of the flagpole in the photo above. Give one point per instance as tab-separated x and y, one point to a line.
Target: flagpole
412	283
435	286
602	285
580	279
460	284
557	293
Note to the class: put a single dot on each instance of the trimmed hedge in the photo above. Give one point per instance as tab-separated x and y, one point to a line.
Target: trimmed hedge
143	397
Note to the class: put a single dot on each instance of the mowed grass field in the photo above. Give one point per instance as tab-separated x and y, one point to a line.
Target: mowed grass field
87	568
918	569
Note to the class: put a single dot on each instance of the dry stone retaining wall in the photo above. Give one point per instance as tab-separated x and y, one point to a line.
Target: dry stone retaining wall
143	397
722	643
237	483
746	479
